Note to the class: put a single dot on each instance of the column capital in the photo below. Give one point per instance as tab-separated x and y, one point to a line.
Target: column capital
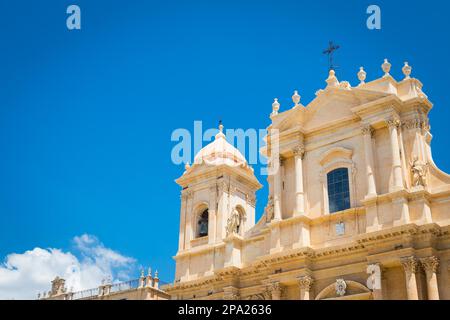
410	264
367	130
274	286
299	151
393	122
430	264
306	282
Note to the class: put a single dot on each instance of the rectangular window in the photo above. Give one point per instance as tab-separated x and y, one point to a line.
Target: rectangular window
338	190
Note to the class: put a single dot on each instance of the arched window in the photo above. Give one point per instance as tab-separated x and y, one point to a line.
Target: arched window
202	225
338	190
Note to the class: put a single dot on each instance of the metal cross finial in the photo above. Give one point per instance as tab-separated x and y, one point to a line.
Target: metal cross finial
329	51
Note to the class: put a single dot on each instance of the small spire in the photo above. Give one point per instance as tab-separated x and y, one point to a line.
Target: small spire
407	69
149	273
142	272
220	126
156	274
362	75
275	106
296	98
187	166
386	67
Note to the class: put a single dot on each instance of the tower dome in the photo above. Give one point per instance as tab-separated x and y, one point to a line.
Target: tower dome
220	152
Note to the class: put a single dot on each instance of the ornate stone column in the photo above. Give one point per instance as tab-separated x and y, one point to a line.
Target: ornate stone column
410	266
430	265
181	239
189	228
275	290
277	189
212	214
393	125
305	283
299	153
367	132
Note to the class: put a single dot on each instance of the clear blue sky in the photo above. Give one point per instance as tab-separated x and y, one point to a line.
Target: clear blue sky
86	116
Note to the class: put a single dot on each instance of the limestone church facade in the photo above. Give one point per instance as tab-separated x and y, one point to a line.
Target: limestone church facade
357	208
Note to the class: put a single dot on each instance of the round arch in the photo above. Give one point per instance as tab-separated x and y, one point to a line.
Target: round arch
356	290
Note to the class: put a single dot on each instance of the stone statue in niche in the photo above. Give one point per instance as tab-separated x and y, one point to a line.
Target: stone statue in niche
419	170
233	223
269	209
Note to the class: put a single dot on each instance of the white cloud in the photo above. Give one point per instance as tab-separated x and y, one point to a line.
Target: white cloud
23	275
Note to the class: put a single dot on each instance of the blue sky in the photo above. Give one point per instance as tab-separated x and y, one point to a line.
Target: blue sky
86	116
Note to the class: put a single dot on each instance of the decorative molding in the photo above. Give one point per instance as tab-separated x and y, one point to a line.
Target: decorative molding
410	264
367	130
430	264
417	123
306	283
299	151
393	122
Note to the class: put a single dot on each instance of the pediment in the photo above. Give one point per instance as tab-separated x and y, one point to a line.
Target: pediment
330	106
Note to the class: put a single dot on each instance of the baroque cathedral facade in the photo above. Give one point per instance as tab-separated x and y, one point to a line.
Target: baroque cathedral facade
357	208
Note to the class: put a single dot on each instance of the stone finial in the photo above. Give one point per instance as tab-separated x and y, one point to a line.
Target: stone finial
142	272
220	134
149	272
386	66
362	75
156	274
187	166
296	98
275	107
407	69
332	80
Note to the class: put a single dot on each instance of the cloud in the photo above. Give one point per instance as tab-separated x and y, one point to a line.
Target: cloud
23	275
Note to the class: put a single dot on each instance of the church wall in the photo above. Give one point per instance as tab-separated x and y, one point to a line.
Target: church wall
291	292
325	233
439	211
394	281
252	250
315	174
444	278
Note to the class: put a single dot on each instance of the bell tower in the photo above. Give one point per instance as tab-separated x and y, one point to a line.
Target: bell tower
217	202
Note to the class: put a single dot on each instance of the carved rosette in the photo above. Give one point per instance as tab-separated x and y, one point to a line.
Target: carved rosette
306	283
430	264
299	151
410	264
